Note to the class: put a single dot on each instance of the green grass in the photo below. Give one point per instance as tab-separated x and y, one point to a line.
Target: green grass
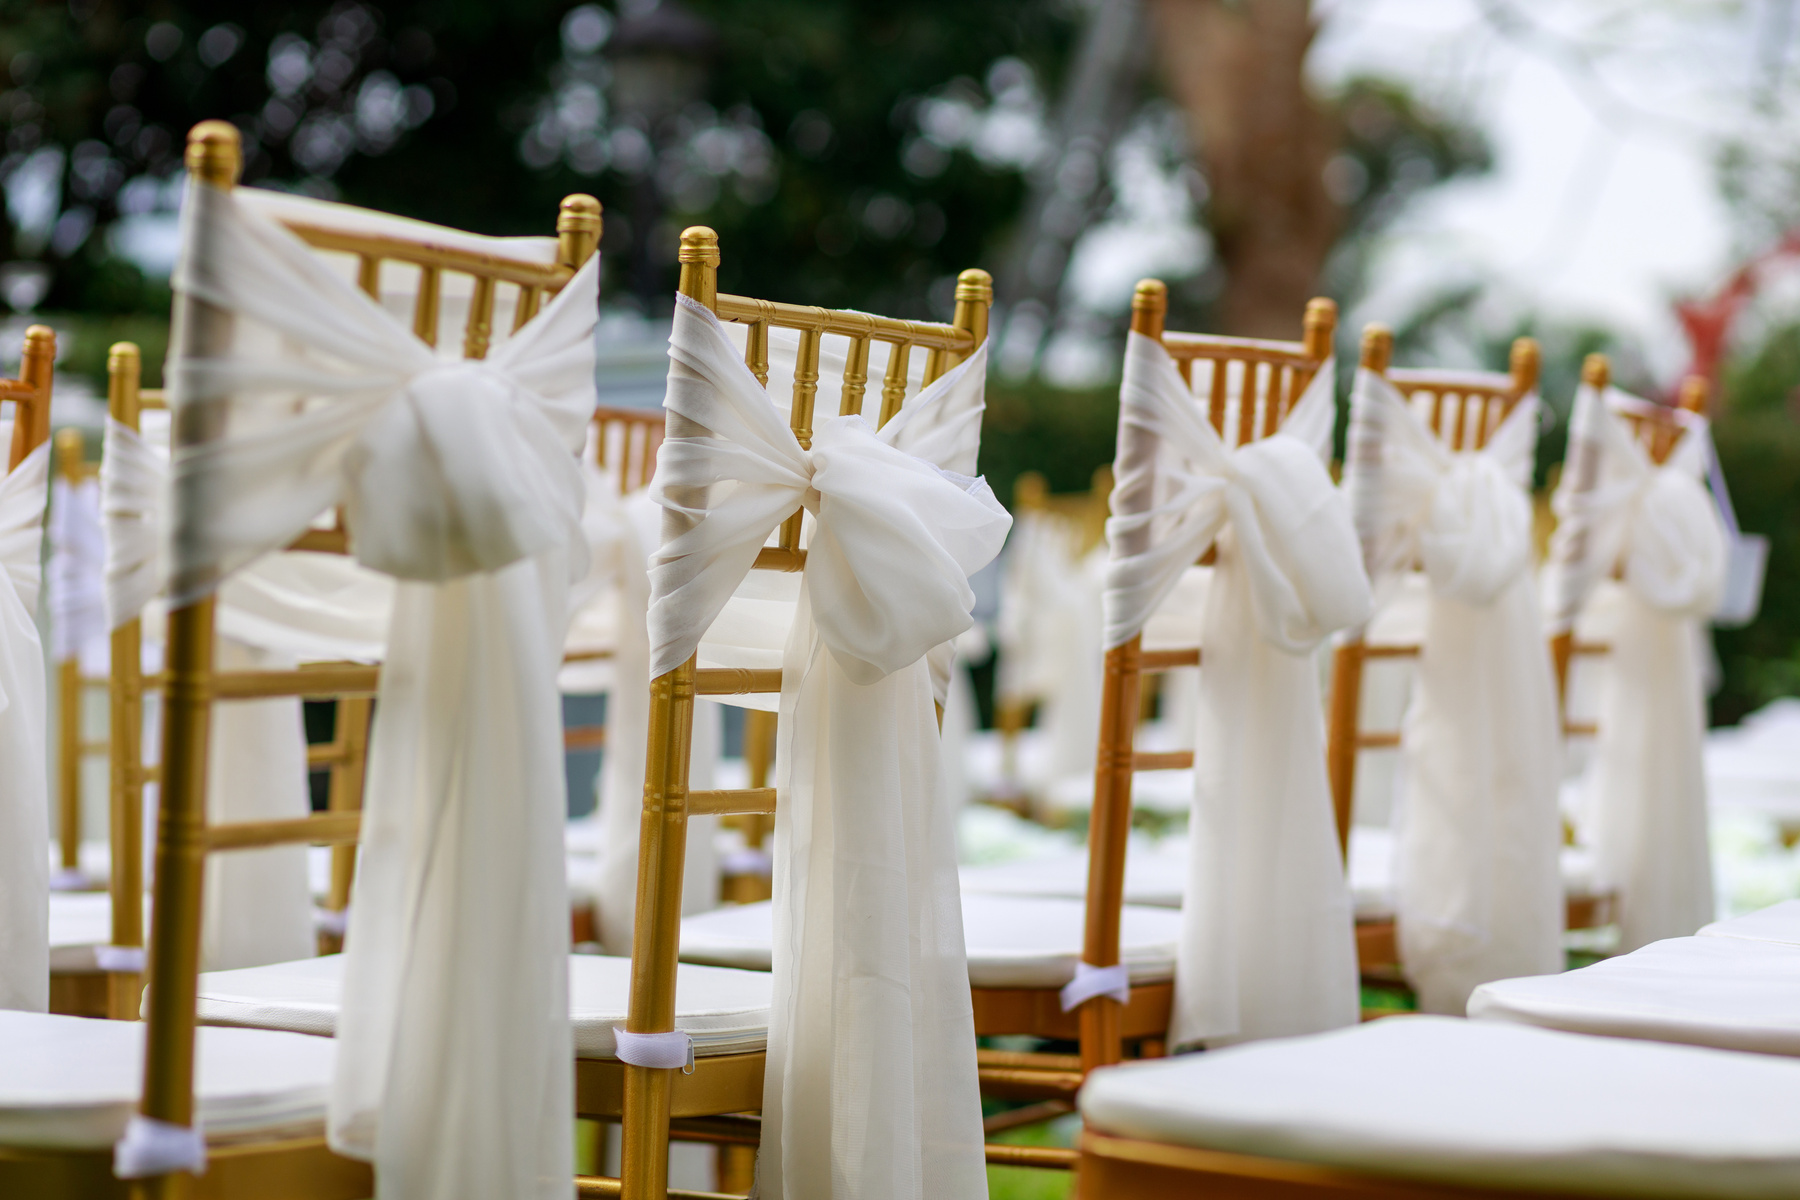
1030	1183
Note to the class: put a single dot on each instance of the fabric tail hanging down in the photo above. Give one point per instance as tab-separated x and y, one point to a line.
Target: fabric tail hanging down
1267	942
24	705
75	588
1477	828
1647	798
460	480
871	1085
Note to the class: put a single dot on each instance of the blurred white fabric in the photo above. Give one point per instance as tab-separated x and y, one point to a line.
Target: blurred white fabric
1646	801
1478	893
24	712
870	1087
1268	945
459	478
75	581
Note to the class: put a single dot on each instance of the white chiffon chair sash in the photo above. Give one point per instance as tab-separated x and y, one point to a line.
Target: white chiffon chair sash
1477	829
75	590
1268	943
1647	798
460	479
24	706
871	1087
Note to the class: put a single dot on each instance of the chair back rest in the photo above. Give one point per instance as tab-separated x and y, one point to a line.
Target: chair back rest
1462	410
625	445
184	837
1247	385
667	801
1658	430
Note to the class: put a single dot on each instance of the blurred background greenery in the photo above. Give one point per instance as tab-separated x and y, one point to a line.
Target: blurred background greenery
849	154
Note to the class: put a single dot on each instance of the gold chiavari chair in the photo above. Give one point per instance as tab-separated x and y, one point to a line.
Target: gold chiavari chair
1658	431
713	1101
193	685
1465	408
73	748
1247	386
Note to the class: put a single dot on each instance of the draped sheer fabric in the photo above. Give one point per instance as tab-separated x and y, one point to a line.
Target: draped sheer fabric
1478	890
1049	637
871	1087
280	609
75	582
1647	786
24	705
1268	943
460	479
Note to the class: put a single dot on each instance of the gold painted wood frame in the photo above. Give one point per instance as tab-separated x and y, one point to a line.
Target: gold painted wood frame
651	1095
303	1167
1268	379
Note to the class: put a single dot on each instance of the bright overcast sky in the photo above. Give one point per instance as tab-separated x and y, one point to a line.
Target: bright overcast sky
1602	202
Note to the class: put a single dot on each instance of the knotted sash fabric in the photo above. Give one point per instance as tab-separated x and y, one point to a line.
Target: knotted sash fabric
1477	829
1268	944
1647	790
76	580
24	706
871	1088
455	1067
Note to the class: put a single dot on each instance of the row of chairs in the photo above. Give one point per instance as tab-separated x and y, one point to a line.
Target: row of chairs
1248	390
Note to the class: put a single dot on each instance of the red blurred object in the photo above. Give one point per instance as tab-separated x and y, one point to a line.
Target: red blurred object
1707	321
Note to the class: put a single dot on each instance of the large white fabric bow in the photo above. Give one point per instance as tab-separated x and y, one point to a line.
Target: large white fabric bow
1646	800
1267	944
24	784
455	1065
871	1086
1478	887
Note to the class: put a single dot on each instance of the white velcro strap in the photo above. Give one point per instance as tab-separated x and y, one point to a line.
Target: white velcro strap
125	959
152	1147
331	921
665	1050
1091	981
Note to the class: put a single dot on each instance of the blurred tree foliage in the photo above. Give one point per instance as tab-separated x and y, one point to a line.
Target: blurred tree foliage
484	115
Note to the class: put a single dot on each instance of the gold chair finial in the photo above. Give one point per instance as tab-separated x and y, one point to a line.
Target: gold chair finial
699	244
1320	326
1596	372
975	284
1149	305
215	153
1694	394
577	229
1031	492
69	452
1526	363
1377	348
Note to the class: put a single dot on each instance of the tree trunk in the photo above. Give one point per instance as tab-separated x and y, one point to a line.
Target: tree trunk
1236	68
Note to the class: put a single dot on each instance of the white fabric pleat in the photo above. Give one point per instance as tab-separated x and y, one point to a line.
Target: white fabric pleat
1049	631
75	583
460	479
871	1088
1268	944
24	705
1478	893
134	480
1647	787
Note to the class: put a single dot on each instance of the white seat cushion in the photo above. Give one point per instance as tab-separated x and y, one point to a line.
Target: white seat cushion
1777	923
1012	942
1372	871
725	1012
1154	876
1727	992
72	1082
80	921
1478	1103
